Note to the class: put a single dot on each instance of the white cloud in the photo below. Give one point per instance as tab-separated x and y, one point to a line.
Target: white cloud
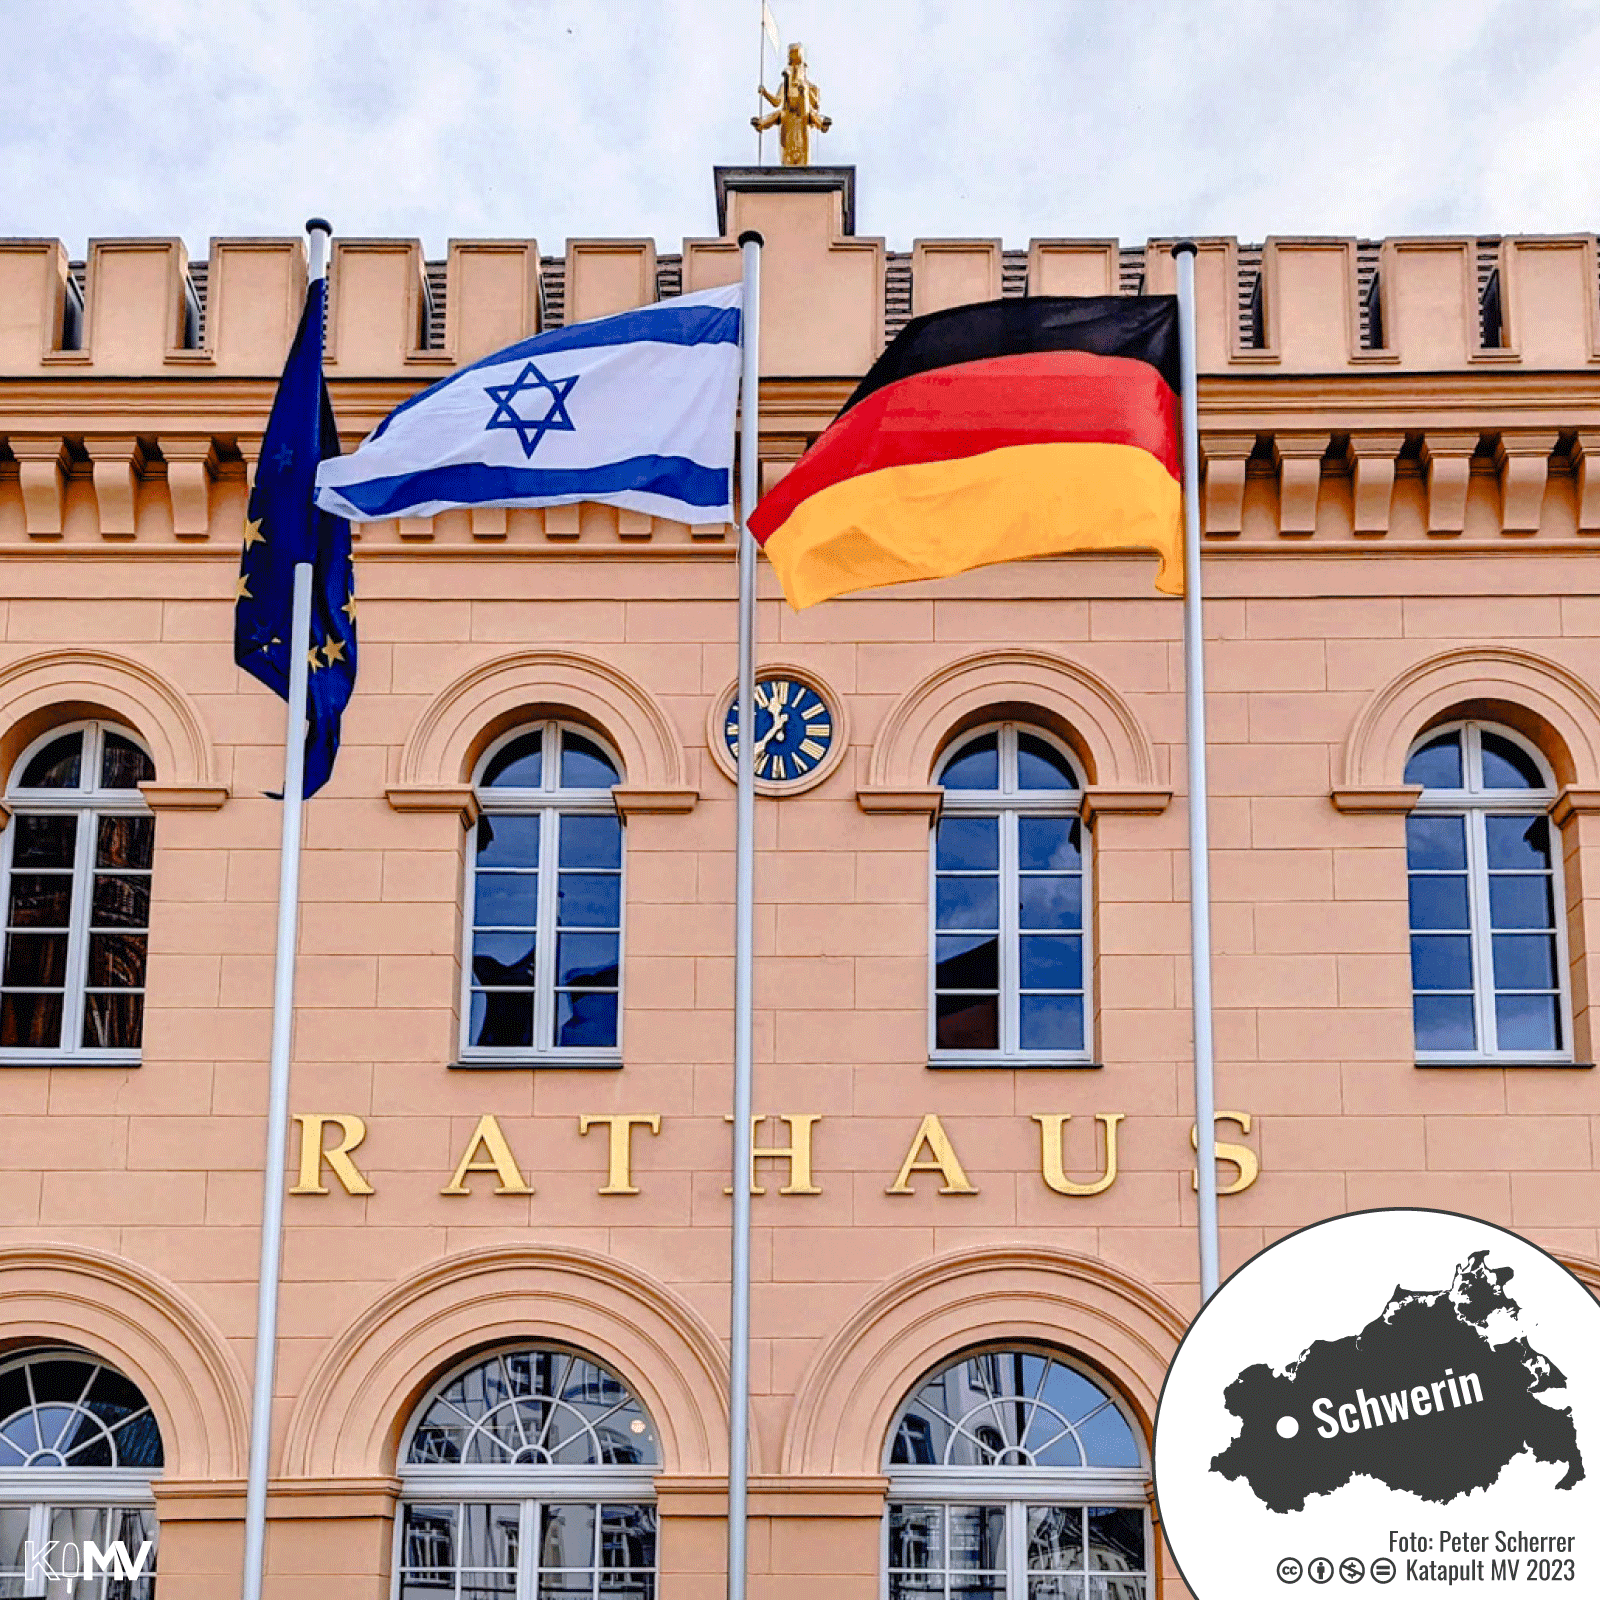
990	117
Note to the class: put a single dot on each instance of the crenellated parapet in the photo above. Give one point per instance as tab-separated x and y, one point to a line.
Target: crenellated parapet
1354	391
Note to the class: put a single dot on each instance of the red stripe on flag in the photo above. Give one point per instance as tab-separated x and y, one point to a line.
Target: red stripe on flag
1057	396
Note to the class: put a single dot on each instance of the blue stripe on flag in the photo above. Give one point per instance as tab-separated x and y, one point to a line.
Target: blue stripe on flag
474	483
658	324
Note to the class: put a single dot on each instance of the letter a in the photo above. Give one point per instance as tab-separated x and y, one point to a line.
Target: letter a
941	1158
497	1158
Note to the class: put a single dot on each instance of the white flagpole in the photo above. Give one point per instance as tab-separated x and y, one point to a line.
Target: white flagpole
1194	692
744	924
294	764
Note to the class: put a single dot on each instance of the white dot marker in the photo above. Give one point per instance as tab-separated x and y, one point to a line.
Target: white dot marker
1288	1427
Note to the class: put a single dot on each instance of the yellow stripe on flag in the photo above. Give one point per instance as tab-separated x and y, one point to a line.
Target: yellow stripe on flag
935	518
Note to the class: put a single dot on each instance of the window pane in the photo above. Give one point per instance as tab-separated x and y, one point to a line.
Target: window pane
126	842
566	1536
1052	1021
1118	1588
586	961
30	1021
976	767
967	1022
1055	1538
1437	765
627	1538
1527	1022
112	1022
1436	843
1041	766
123	764
36	960
977	1538
584	765
121	902
517	765
13	1531
40	899
1062	1586
58	766
506	900
1520	844
586	1021
1049	844
1051	902
43	841
1444	1022
488	1585
916	1538
591	841
1115	1539
1524	961
1521	902
1506	766
1052	962
589	900
1438	902
508	841
969	844
967	961
1108	1440
503	1018
1441	961
502	960
117	960
968	902
489	1536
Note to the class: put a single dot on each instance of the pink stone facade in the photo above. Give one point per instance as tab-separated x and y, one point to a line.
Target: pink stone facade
1401	524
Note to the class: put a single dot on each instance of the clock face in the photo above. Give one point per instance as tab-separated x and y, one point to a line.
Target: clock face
794	729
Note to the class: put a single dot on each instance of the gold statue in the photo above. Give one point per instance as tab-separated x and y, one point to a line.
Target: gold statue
795	109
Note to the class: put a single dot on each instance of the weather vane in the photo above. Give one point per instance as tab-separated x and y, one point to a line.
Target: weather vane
795	111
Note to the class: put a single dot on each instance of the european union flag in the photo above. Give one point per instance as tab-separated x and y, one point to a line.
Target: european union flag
283	527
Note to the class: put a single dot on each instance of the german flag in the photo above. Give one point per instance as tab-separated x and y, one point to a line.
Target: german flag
990	433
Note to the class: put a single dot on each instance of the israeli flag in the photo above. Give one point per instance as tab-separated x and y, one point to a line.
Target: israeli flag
635	410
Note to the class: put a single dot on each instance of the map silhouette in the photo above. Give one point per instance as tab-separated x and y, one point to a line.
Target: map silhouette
1427	1399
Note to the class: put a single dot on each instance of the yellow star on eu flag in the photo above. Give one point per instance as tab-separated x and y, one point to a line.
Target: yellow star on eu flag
333	650
241	590
253	533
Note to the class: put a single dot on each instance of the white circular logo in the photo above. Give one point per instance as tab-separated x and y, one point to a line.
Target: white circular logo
1409	1400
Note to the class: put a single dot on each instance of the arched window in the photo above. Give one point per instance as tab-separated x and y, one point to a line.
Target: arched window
1488	944
76	858
1015	1476
79	1447
1010	956
529	1473
544	901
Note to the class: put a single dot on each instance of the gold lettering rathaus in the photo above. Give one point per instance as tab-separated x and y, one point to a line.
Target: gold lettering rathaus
795	111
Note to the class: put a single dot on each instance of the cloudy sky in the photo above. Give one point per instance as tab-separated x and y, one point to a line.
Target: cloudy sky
1016	118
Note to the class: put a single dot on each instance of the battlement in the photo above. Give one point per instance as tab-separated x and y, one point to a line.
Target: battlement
140	307
1404	390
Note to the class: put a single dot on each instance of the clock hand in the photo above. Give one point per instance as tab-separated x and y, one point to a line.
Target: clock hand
779	722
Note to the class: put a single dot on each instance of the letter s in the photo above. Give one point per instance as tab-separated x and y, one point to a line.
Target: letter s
1322	1410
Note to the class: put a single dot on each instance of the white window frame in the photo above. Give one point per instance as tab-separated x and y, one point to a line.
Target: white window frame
45	1489
530	1488
86	802
1008	803
1476	803
1017	1488
549	801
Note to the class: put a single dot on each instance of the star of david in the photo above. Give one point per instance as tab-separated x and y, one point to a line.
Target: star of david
530	430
